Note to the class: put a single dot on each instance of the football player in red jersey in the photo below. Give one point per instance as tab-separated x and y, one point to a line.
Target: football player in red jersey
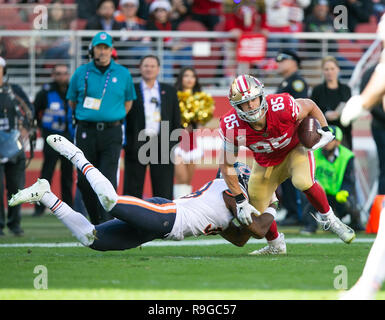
267	125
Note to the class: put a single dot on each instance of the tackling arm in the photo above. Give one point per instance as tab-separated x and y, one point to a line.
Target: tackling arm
229	174
239	235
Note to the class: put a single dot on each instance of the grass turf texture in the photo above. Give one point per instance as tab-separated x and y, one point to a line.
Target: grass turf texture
191	272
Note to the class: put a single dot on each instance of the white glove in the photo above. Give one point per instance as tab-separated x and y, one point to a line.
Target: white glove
244	211
352	110
326	137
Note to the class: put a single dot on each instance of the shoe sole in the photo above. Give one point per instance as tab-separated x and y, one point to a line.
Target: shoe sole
51	140
350	240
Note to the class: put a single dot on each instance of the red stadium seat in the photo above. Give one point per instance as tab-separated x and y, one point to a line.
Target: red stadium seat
191	25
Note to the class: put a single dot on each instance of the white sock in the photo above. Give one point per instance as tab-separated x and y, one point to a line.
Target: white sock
181	190
80	227
328	214
99	183
373	274
276	240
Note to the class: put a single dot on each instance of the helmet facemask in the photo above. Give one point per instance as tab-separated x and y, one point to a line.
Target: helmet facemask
246	88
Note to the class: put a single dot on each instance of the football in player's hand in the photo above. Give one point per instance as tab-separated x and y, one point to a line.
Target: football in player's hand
307	132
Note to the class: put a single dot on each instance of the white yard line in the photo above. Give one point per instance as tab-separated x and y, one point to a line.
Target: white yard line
188	243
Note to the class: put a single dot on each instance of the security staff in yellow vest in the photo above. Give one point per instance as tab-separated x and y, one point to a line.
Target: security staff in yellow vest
335	173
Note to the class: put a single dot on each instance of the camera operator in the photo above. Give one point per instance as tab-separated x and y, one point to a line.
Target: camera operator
15	123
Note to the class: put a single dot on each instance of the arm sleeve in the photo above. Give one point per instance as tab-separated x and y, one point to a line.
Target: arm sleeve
72	88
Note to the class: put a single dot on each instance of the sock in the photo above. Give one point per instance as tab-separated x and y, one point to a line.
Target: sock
317	197
80	227
99	183
272	234
373	274
181	190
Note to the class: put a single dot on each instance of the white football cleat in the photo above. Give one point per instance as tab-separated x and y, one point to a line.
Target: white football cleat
274	247
63	146
33	193
335	225
352	110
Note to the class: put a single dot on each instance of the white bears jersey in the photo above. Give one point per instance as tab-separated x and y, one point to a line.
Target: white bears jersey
201	212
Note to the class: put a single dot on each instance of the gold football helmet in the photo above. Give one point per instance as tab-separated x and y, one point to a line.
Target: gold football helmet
245	88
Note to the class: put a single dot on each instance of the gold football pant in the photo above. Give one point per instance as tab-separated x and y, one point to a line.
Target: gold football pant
299	165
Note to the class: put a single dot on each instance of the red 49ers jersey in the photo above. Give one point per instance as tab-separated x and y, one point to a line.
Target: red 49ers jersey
270	145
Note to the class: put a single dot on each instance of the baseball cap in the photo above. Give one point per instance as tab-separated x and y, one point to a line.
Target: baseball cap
288	54
160	4
102	38
134	2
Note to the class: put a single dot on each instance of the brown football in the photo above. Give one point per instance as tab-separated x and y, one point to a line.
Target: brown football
307	132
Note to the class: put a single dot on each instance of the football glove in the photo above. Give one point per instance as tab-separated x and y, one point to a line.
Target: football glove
352	110
244	210
326	137
342	196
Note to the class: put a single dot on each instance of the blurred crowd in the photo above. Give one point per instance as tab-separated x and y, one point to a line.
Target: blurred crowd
220	15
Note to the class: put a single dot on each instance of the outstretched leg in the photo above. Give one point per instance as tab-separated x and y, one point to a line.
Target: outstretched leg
111	235
99	183
80	227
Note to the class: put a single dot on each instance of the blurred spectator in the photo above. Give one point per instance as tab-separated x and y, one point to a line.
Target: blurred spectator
160	17
335	173
247	16
128	15
359	11
131	22
320	20
104	19
331	96
284	16
281	15
175	54
57	20
180	10
207	11
87	9
378	130
378	8
54	116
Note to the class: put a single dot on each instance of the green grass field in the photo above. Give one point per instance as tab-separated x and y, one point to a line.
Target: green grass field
183	272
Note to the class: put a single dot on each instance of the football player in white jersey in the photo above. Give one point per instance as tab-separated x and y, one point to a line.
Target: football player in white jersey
209	210
373	274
